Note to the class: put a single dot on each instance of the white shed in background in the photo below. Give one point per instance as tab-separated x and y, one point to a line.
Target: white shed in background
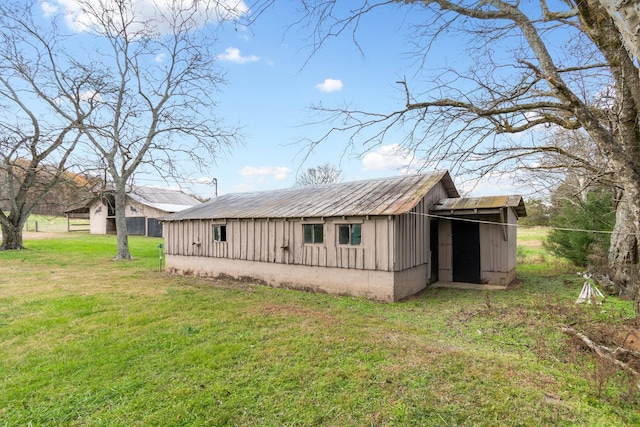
144	207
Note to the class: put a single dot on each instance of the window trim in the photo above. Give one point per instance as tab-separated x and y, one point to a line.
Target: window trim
350	226
313	234
222	234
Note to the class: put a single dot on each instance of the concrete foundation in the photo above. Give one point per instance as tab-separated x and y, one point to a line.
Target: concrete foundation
382	286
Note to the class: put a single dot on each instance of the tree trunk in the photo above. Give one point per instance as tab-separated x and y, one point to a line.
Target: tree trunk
121	224
623	251
626	18
11	237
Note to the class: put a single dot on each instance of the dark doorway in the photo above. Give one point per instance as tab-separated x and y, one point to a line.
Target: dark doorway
136	225
466	251
110	201
111	225
154	227
433	242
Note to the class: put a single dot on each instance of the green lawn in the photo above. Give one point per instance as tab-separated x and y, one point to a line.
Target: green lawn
88	341
55	224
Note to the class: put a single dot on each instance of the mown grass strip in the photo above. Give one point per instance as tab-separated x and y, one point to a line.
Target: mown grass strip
89	341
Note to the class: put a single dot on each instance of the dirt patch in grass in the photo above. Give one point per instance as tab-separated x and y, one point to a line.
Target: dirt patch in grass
629	338
272	309
530	243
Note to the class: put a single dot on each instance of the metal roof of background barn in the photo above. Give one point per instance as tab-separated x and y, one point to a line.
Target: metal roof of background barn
386	196
163	199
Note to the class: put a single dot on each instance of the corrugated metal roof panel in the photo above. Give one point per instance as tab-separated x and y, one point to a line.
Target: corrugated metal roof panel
387	196
163	199
472	204
168	207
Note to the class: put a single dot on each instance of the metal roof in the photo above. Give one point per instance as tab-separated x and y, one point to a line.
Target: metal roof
163	199
386	196
472	205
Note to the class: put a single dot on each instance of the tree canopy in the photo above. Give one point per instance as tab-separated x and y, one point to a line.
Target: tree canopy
321	174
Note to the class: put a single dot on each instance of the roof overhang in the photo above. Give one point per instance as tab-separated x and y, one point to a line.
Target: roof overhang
465	206
449	186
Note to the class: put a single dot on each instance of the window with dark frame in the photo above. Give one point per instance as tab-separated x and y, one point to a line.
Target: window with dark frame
349	234
313	233
220	233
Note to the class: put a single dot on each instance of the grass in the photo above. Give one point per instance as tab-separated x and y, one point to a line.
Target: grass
535	259
48	223
88	341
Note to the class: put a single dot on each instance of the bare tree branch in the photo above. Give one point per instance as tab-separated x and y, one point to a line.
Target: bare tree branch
533	69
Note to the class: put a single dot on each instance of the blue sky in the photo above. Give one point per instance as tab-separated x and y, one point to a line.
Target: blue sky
273	79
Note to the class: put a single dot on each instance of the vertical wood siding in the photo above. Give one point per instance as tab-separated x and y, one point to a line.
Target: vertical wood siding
281	241
497	246
497	243
389	243
412	242
445	251
512	251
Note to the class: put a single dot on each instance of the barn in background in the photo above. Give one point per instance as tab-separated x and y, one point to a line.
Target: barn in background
383	239
144	207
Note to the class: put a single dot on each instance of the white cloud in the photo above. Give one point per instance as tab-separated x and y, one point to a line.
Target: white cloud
159	57
493	184
279	173
387	157
48	9
144	11
90	95
243	33
232	54
329	85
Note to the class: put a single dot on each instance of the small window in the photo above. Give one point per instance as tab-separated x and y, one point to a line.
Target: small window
313	233
349	234
220	233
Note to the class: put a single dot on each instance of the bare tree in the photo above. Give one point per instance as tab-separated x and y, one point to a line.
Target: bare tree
154	108
535	67
40	119
570	156
321	174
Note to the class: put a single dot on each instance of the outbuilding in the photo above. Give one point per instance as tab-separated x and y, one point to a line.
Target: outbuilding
384	239
144	208
477	239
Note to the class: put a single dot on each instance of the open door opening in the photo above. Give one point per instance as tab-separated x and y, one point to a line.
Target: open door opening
466	251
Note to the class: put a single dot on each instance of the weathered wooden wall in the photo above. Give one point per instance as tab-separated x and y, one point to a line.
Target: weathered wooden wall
413	246
389	243
493	247
281	241
497	248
